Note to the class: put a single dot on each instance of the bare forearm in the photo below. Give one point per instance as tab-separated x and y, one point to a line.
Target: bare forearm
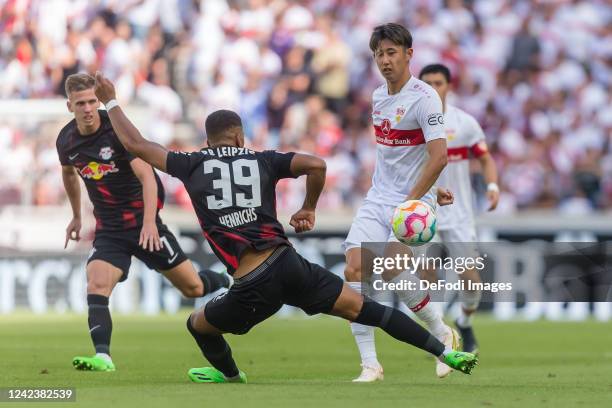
149	195
73	190
489	170
128	134
315	181
429	175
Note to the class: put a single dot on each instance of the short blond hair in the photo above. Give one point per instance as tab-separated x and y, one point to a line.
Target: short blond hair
79	82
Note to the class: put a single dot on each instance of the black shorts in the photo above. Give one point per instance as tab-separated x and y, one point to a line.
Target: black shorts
117	248
284	278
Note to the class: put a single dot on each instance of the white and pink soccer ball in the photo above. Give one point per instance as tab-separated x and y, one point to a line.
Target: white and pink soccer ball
414	222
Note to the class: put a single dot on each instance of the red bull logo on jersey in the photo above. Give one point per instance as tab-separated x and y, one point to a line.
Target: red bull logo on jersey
96	171
106	153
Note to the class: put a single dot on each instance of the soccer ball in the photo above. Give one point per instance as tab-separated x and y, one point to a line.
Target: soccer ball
414	222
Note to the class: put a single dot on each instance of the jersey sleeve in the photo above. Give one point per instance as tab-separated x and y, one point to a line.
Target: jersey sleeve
430	117
61	152
280	163
181	164
476	143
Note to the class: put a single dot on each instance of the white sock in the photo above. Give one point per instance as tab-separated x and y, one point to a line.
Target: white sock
104	357
470	299
364	337
418	301
432	317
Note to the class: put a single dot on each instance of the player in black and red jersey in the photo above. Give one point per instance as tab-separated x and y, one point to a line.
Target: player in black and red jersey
232	189
127	195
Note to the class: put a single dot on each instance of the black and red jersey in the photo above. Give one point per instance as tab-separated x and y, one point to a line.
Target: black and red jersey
233	191
104	165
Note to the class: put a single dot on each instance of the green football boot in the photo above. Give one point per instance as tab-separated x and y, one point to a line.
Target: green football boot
92	364
212	375
461	361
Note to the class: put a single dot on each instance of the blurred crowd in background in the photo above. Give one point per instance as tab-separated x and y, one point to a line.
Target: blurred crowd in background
536	75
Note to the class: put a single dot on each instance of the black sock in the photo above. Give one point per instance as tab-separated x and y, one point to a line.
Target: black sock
399	325
100	323
216	350
213	280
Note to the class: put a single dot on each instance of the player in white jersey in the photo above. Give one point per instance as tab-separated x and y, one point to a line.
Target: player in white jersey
464	138
411	152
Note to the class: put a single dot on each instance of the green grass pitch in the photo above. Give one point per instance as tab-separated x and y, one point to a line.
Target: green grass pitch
309	362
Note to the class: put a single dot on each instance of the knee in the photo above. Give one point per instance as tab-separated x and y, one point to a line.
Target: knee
471	275
369	313
98	287
349	304
352	273
193	291
194	324
430	275
352	314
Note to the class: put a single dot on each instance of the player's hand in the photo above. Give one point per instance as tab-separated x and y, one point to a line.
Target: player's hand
303	220
445	196
105	90
73	231
493	197
149	237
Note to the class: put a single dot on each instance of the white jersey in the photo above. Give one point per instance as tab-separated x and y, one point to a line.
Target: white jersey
403	123
463	136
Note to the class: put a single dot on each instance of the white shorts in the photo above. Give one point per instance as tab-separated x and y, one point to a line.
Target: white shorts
373	224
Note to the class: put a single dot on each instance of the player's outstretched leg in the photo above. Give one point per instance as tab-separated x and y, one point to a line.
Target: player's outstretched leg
216	350
101	280
351	305
419	302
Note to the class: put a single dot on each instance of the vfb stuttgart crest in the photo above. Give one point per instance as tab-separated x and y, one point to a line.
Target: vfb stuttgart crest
400	113
385	126
106	153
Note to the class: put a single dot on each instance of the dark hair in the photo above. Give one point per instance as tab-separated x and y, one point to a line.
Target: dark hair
436	69
220	121
396	33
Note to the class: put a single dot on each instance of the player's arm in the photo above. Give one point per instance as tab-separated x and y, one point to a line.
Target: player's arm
149	235
479	150
73	190
153	153
489	171
431	120
314	168
431	170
